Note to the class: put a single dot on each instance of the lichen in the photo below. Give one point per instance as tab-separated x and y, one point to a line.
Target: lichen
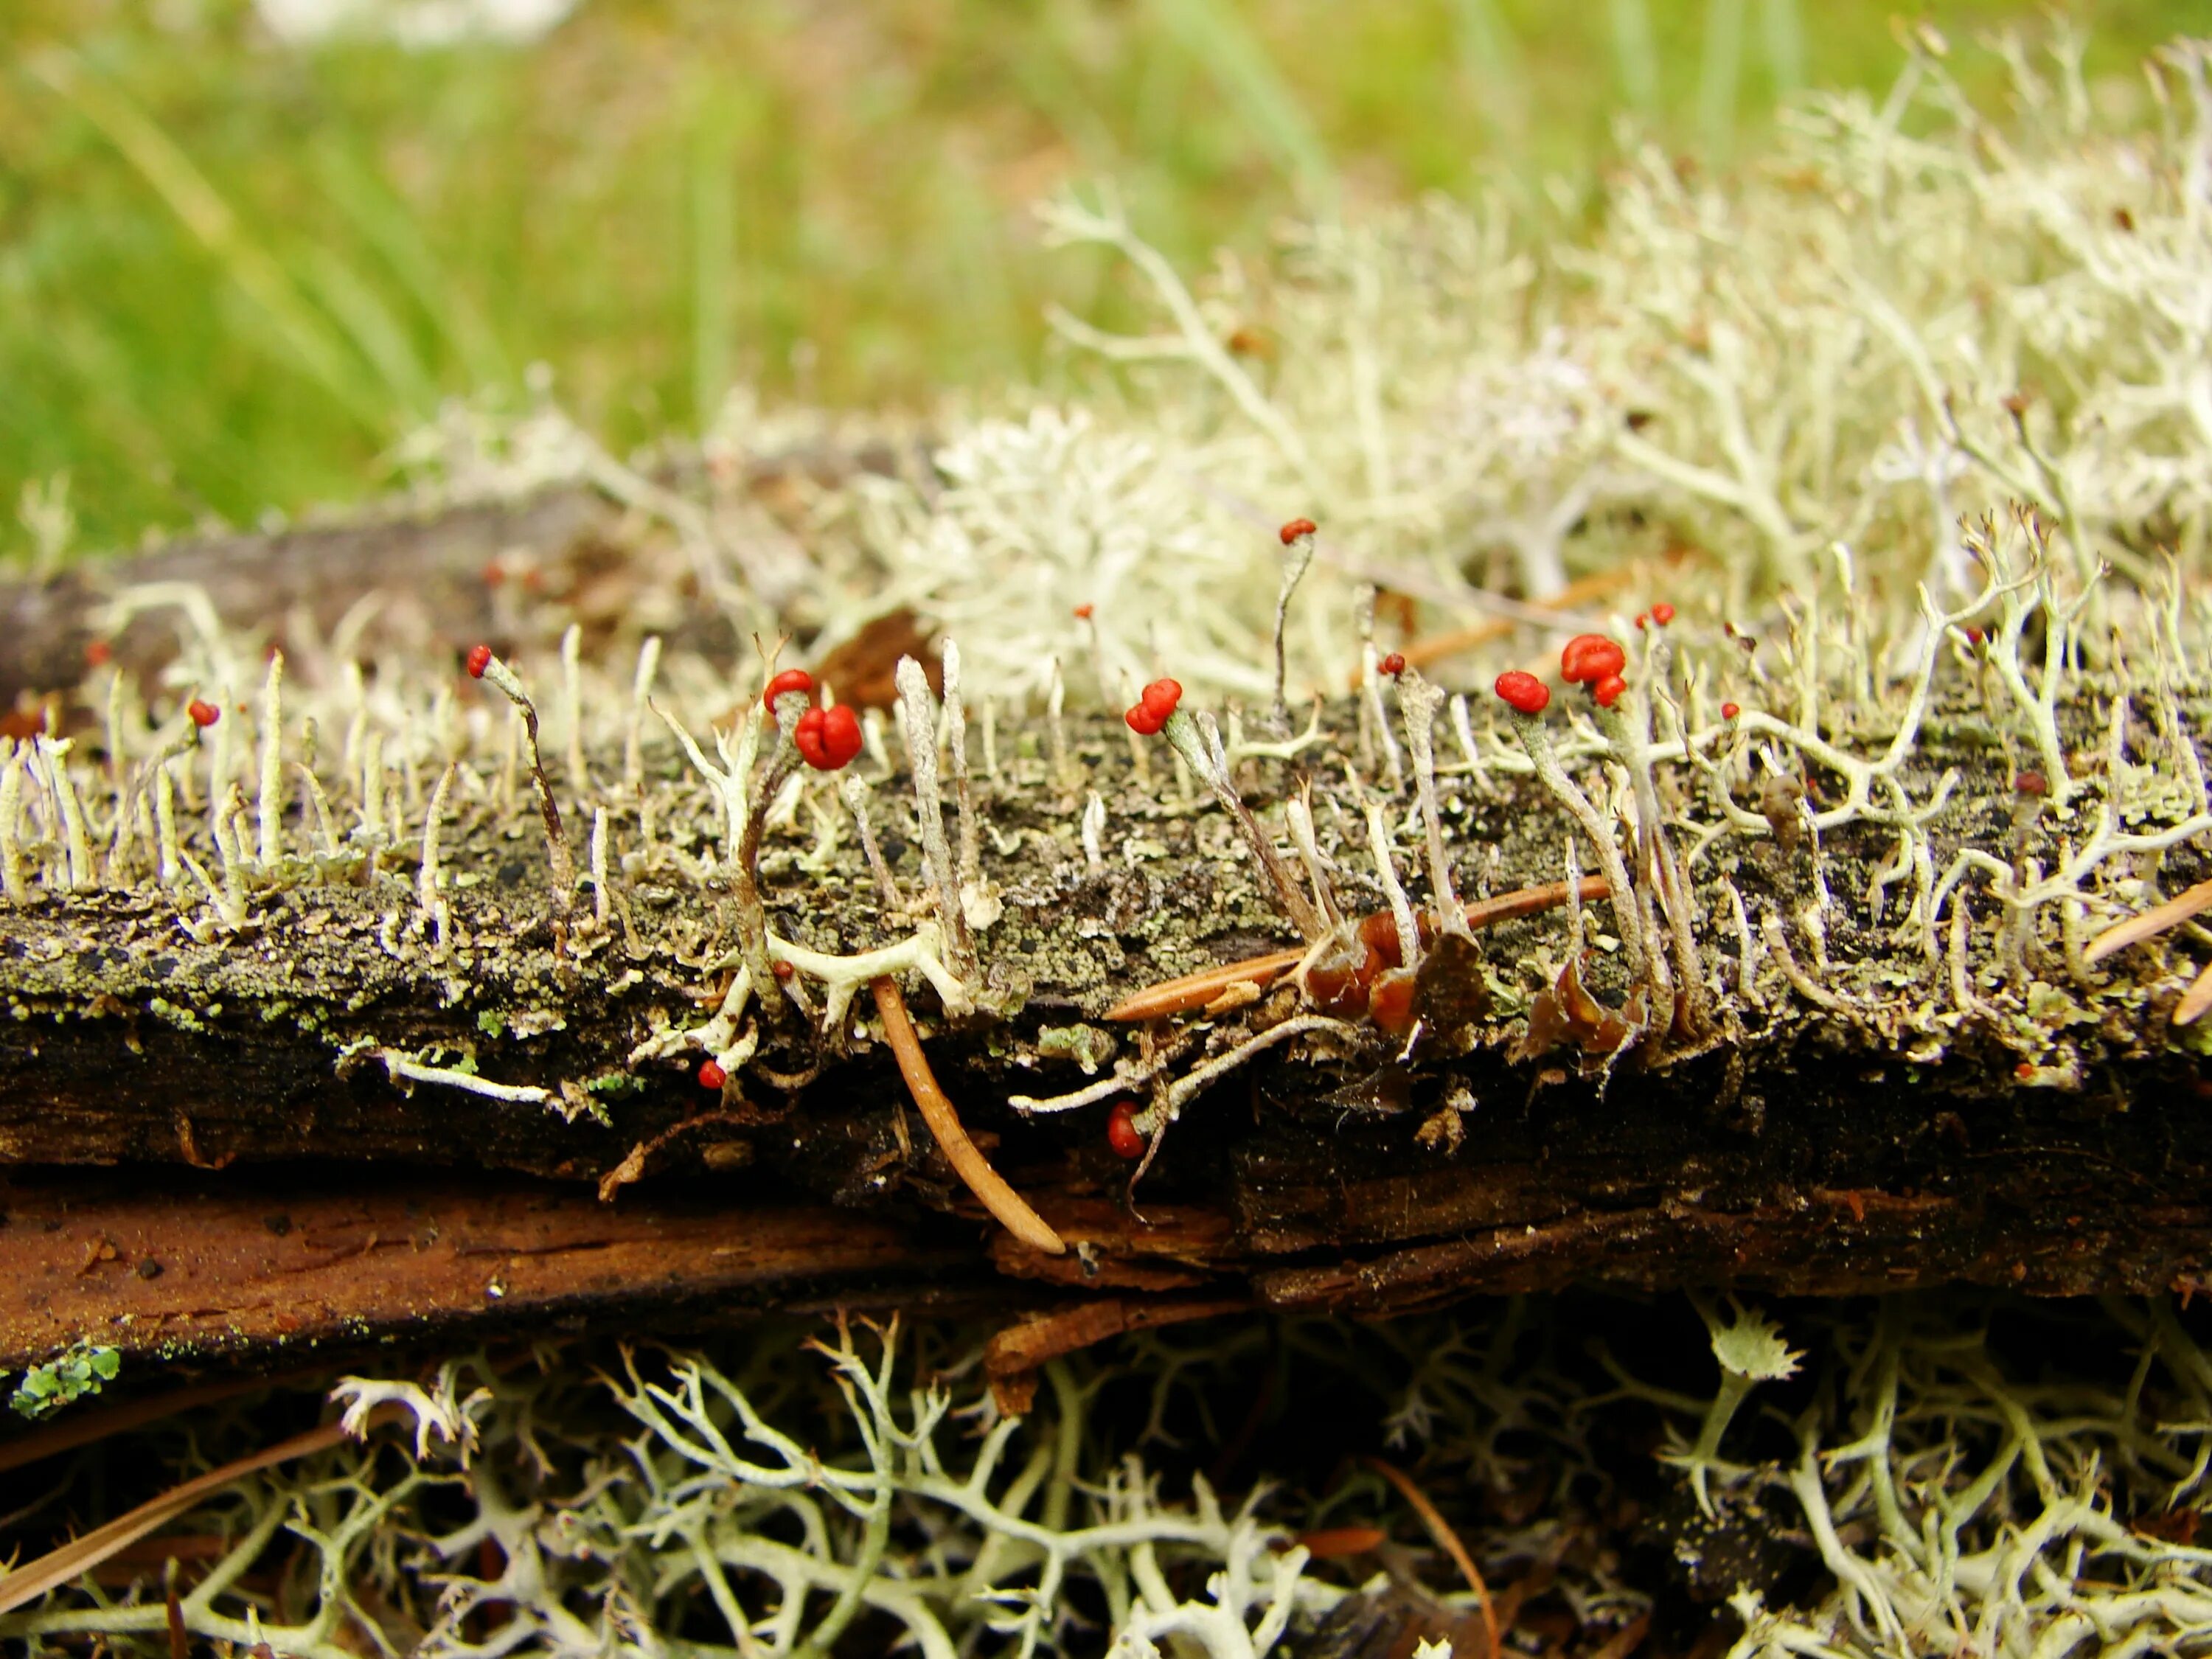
68	1377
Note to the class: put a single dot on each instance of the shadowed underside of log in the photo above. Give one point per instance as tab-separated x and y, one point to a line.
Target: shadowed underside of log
256	1264
214	1145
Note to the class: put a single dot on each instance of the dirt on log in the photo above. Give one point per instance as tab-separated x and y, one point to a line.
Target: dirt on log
341	1121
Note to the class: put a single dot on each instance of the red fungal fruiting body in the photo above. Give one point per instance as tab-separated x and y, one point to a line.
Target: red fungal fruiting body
98	654
1729	711
1083	612
1154	704
1975	636
479	659
204	715
1523	692
1379	933
1662	613
792	679
827	738
1296	528
1337	982
781	969
840	734
1392	664
1643	620
2031	783
2025	1069
1390	1004
1121	1132
712	1076
1589	657
1608	690
1363	973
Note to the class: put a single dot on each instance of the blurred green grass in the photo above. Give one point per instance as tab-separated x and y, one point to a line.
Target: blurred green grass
231	272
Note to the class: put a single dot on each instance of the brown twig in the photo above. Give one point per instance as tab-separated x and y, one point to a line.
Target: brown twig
80	1555
82	1428
937	1111
180	1641
1180	996
2157	920
1626	1640
1447	1540
1334	1543
2183	906
1435	648
2195	1000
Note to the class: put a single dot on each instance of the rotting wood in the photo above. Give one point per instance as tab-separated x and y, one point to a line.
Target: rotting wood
260	1265
472	569
161	1266
1013	1356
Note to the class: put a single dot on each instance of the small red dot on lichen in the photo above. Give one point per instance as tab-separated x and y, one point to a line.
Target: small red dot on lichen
1394	664
1608	690
204	715
712	1076
1121	1132
1083	612
1729	711
1296	528
1662	613
98	654
479	659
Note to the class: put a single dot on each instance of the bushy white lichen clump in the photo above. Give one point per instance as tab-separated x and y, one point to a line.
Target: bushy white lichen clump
1910	312
778	1505
1933	1482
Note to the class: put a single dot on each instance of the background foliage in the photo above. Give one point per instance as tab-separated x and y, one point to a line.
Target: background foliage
233	272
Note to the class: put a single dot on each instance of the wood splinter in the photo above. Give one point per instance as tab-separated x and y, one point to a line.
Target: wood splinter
2149	924
937	1111
1199	990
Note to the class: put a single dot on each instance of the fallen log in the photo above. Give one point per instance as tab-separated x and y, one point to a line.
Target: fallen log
365	1017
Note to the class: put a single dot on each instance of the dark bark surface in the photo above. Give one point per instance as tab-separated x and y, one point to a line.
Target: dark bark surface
435	557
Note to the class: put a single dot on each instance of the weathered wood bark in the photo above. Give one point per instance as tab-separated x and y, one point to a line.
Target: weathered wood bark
436	558
206	1152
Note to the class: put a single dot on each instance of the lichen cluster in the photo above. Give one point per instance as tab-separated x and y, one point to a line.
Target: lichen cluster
1921	1479
1732	376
